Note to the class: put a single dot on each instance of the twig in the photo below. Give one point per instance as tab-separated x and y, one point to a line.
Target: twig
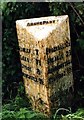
60	110
80	66
76	31
76	13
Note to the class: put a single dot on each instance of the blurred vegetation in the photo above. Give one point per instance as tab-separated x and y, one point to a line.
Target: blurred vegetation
15	103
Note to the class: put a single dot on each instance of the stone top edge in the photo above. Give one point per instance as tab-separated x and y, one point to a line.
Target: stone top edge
41	20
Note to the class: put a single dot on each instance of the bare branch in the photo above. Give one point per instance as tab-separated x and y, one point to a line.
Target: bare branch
76	13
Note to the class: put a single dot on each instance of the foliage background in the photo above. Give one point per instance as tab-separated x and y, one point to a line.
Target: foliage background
13	94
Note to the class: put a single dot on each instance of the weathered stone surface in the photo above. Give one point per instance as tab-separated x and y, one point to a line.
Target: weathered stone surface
45	53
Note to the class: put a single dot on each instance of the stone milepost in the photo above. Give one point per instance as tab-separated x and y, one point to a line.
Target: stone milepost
45	53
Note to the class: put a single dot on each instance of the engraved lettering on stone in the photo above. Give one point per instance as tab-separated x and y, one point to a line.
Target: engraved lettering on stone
38	62
26	67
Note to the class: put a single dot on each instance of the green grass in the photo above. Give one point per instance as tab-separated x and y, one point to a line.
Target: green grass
14	112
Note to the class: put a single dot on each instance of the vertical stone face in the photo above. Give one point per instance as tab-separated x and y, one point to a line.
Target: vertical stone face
45	53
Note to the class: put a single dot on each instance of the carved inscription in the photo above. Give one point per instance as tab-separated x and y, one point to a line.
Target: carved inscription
33	78
55	58
62	68
24	50
30	77
24	58
54	70
57	48
41	23
37	61
38	71
37	51
27	68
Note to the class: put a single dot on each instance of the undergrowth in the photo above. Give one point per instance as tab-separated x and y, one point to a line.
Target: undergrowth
20	109
26	114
